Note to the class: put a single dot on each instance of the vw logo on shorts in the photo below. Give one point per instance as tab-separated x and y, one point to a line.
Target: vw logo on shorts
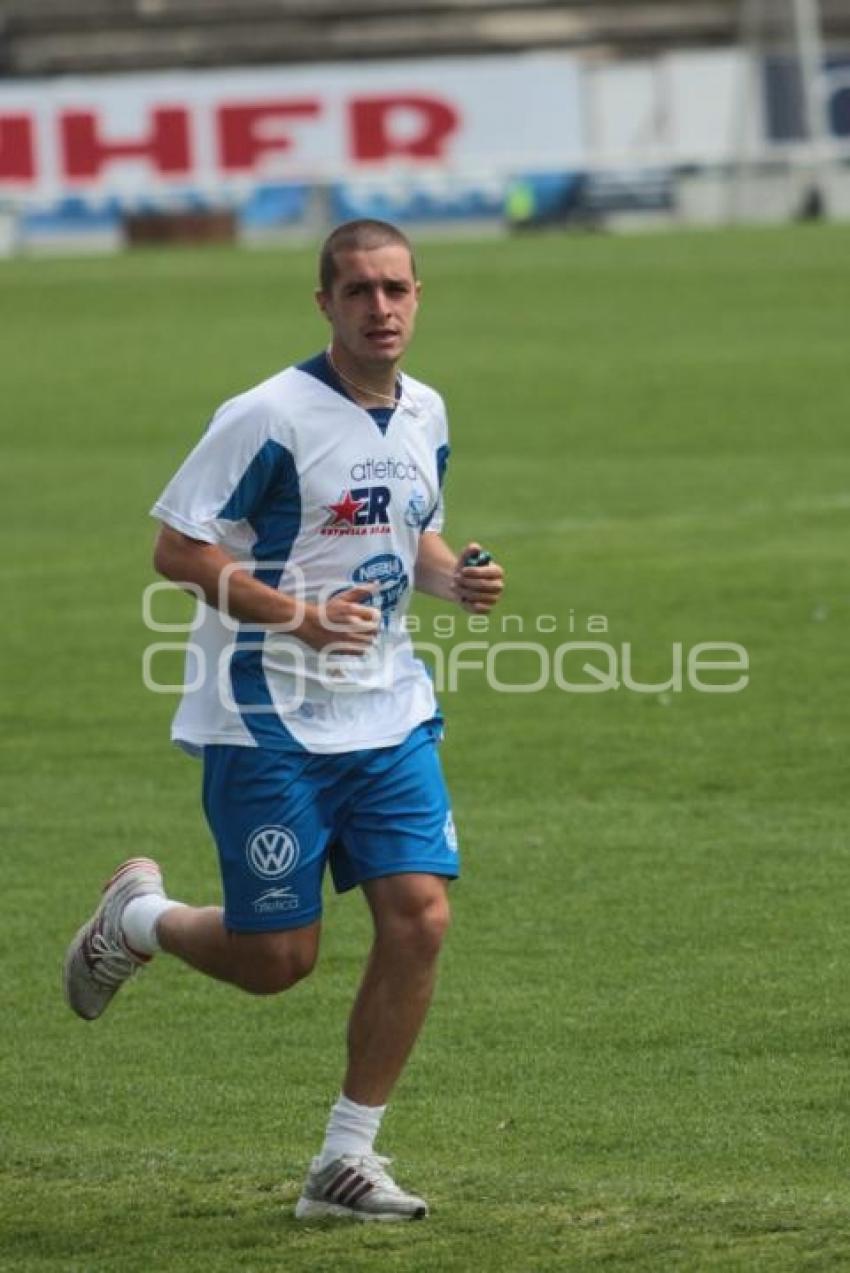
272	852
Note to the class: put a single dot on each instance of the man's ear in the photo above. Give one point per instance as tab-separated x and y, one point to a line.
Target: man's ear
321	301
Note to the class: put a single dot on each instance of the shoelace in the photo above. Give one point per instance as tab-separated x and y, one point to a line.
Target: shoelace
374	1166
111	965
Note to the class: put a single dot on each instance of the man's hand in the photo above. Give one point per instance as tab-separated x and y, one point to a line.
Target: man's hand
477	588
347	622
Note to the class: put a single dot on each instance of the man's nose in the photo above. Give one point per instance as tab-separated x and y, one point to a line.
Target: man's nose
380	302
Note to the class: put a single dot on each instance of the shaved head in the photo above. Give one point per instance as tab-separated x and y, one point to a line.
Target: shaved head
363	235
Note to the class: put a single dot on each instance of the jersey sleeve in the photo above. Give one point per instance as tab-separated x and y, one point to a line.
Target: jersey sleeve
227	477
436	518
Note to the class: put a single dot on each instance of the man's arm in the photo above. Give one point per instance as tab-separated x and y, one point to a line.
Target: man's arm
344	621
441	573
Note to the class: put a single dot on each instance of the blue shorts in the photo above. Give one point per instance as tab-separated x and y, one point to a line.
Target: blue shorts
278	817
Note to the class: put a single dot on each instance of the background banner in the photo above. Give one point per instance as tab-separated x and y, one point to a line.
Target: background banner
225	132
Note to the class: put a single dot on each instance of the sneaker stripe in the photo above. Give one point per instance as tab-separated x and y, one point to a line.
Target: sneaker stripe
344	1195
132	864
339	1183
360	1192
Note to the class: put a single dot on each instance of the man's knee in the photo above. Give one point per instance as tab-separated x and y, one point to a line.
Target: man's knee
269	963
417	921
433	923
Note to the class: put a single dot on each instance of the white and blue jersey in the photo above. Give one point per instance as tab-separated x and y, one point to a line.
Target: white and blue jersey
314	494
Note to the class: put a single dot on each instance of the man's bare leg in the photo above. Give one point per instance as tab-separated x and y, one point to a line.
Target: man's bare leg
261	963
411	916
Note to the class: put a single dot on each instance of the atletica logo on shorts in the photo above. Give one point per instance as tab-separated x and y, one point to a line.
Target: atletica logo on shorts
272	852
277	899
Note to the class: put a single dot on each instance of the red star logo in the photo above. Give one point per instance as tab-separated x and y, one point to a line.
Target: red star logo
345	510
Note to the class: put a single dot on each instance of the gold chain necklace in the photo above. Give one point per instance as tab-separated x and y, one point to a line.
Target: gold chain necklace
370	393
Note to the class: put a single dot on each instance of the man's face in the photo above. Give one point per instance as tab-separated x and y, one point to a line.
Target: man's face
372	304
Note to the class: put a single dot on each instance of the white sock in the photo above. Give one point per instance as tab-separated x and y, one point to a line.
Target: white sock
139	921
352	1129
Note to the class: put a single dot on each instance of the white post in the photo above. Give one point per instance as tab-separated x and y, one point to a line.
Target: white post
8	228
810	55
745	113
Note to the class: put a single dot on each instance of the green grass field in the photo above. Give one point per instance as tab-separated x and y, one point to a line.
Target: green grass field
639	1056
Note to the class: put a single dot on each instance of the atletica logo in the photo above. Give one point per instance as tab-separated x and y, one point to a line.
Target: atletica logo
379	470
272	852
277	899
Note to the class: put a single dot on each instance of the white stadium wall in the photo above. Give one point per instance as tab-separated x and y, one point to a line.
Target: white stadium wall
446	139
682	108
227	131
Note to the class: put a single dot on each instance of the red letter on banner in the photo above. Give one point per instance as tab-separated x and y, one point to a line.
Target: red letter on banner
167	146
17	148
372	134
246	132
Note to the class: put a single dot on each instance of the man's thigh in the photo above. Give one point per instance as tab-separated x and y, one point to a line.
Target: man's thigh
265	812
396	816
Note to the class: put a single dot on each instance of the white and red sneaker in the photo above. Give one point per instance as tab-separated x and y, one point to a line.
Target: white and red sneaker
99	961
